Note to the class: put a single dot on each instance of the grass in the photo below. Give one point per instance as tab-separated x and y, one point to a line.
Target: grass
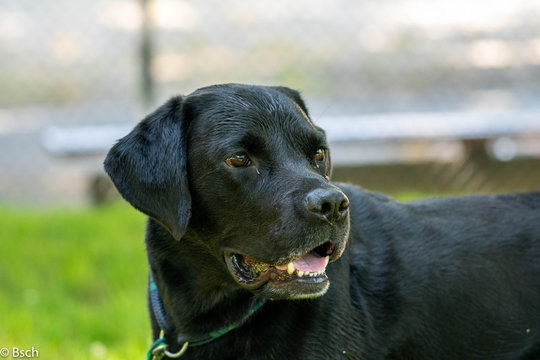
72	282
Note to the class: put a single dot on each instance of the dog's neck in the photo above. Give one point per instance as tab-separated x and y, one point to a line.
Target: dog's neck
167	329
196	291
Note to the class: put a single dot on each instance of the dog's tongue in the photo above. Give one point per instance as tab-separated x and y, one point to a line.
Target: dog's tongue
310	263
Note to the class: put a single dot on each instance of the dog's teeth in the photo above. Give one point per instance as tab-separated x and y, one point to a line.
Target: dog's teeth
290	268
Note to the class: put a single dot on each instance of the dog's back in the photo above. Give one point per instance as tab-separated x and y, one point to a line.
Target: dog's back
448	278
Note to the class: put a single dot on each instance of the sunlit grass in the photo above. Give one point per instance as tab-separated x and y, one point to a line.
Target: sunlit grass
73	281
417	195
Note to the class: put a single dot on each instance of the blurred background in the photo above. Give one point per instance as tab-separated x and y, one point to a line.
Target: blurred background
418	97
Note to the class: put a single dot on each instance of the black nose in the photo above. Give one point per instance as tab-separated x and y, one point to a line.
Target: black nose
327	204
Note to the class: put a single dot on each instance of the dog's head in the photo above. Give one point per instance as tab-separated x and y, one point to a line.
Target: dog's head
244	170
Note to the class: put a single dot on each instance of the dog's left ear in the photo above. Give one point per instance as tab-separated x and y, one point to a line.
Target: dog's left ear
148	167
293	95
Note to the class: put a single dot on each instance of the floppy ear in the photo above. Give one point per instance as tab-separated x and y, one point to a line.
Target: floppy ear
293	95
148	167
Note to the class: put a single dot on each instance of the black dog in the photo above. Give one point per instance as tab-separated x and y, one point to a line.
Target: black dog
235	180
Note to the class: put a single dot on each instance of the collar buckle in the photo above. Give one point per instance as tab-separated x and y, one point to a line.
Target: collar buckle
159	349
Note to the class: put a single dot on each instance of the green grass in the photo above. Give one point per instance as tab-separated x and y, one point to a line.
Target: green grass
72	282
410	195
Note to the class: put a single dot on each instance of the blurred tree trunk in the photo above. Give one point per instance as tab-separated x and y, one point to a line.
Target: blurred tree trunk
146	52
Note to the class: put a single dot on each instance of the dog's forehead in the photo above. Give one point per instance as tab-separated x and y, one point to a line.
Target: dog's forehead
234	115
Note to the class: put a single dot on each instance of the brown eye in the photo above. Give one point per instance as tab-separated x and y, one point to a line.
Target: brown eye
238	160
320	154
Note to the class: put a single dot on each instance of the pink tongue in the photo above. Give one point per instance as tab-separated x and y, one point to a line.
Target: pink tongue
310	263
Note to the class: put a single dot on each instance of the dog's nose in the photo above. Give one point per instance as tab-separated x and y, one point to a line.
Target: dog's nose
327	204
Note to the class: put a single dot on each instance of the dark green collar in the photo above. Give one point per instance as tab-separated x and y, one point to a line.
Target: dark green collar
159	348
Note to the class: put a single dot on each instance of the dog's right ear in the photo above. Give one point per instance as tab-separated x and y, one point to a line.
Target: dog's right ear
293	95
148	167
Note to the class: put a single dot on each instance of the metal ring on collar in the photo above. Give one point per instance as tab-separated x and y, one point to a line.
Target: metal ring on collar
179	353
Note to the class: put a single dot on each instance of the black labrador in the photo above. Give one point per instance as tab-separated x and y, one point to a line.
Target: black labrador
256	254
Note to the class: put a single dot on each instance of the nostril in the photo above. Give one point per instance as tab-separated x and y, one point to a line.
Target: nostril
326	208
343	206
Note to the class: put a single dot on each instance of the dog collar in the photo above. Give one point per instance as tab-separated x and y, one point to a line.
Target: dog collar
159	348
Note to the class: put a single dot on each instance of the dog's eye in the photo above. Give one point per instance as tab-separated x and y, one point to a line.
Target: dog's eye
320	154
238	160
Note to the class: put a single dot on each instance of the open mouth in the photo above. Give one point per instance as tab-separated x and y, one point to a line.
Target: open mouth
306	269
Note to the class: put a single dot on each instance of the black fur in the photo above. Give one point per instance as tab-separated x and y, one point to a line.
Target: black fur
149	167
447	278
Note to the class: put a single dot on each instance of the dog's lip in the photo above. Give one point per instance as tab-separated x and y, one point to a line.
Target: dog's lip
308	267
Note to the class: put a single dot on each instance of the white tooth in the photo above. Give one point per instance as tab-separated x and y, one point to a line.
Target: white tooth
312	274
290	268
300	273
326	260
